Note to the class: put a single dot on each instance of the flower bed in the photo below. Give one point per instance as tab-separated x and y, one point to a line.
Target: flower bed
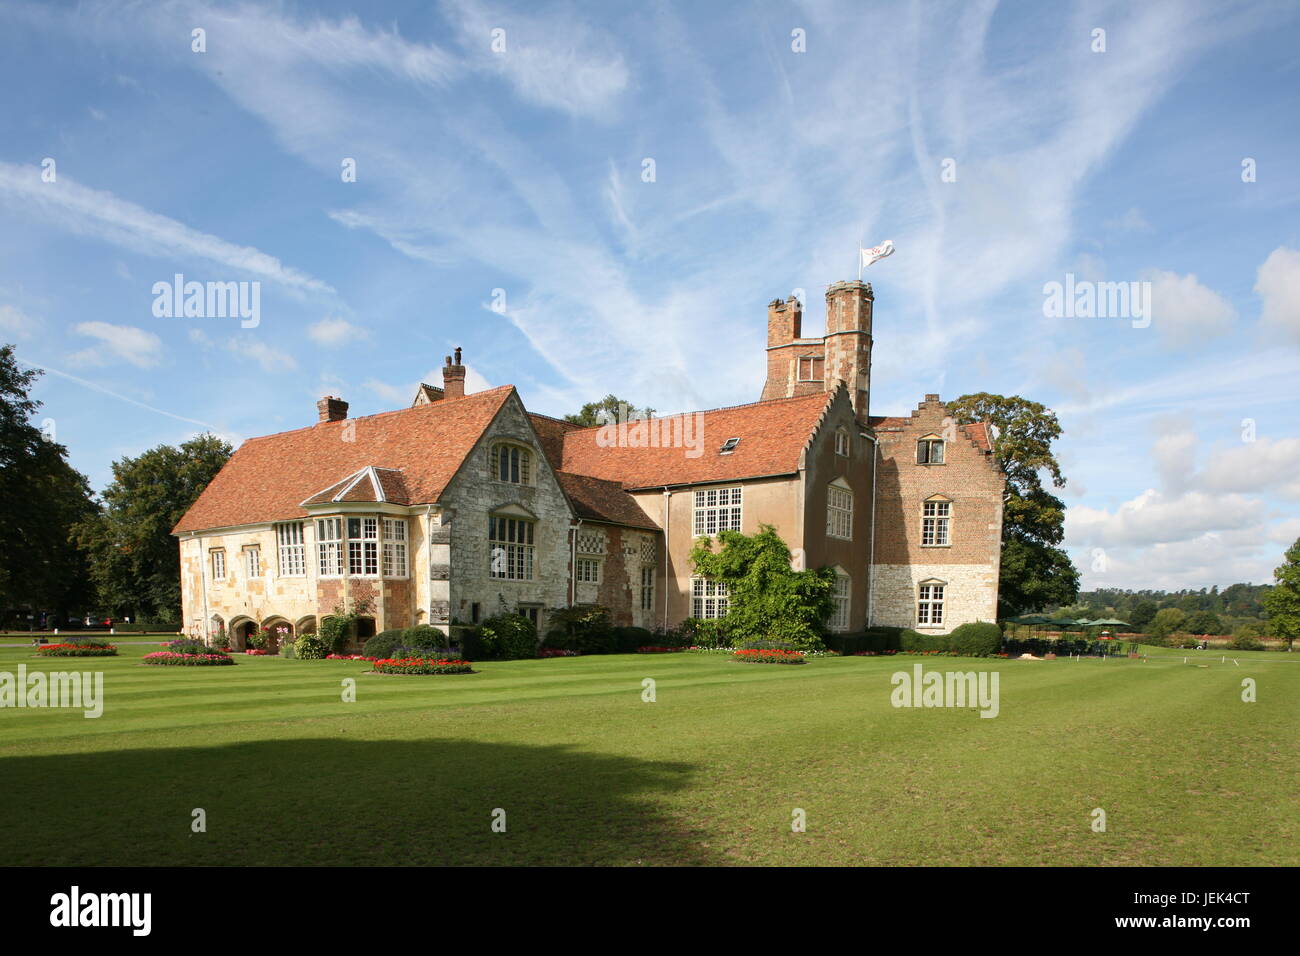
892	653
768	656
169	658
89	649
349	657
659	650
556	652
421	665
259	652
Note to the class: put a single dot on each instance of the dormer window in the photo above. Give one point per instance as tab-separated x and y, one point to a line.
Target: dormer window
512	463
728	446
810	368
929	450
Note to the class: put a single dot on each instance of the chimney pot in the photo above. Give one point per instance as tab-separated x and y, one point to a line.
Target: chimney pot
453	378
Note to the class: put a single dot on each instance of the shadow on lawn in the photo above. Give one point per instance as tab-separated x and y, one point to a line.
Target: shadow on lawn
327	801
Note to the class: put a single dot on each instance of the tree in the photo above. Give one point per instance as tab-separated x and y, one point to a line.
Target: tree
41	498
1283	602
1142	614
611	408
1204	622
767	598
1035	573
1167	621
135	561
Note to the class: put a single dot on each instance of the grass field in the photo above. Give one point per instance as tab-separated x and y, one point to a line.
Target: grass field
710	773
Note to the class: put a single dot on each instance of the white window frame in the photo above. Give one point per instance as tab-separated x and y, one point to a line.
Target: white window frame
511	548
363	548
930	596
329	547
292	550
936	523
930	443
710	600
253	562
839	512
395	563
587	570
218	558
648	588
843	597
717	509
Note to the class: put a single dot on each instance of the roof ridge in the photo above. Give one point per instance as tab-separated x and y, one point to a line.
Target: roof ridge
720	408
391	411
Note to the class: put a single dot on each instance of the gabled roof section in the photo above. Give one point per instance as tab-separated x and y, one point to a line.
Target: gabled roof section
268	478
426	394
683	449
551	432
367	484
978	432
597	499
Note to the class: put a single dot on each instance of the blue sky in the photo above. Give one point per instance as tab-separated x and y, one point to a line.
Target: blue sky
522	170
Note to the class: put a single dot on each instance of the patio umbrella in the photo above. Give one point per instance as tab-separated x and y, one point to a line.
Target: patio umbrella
1029	620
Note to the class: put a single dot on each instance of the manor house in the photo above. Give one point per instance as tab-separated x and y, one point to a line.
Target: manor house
463	506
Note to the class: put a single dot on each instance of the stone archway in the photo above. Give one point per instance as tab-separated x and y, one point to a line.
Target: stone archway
279	631
240	629
305	625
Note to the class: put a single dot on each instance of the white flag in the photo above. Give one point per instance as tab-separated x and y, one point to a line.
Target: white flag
875	253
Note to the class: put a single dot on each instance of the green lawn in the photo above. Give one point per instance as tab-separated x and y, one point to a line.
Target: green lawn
410	773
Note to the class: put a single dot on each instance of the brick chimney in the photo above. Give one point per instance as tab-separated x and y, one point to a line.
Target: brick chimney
453	378
331	409
784	321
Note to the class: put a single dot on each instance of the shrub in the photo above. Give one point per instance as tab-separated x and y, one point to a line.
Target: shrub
384	643
910	640
1245	642
336	632
77	649
422	665
586	630
424	637
976	639
767	656
168	659
188	646
1184	641
631	639
508	637
651	649
701	632
222	640
311	647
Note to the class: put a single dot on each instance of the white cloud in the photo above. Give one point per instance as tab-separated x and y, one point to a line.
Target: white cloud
104	216
1278	284
270	359
1186	312
15	322
134	346
1154	517
332	332
1263	466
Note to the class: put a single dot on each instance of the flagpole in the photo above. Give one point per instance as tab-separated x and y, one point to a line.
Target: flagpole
860	238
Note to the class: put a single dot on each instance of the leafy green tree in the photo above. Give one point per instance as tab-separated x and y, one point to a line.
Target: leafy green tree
1169	620
1142	614
41	498
768	600
1036	573
1283	602
611	408
1204	622
135	561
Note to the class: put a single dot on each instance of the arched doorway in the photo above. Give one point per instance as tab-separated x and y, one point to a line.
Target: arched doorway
278	632
240	630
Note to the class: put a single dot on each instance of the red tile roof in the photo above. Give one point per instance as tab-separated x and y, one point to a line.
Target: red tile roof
267	478
772	437
360	486
599	500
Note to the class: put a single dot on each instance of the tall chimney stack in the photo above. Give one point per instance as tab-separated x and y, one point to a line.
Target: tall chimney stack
453	378
331	409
